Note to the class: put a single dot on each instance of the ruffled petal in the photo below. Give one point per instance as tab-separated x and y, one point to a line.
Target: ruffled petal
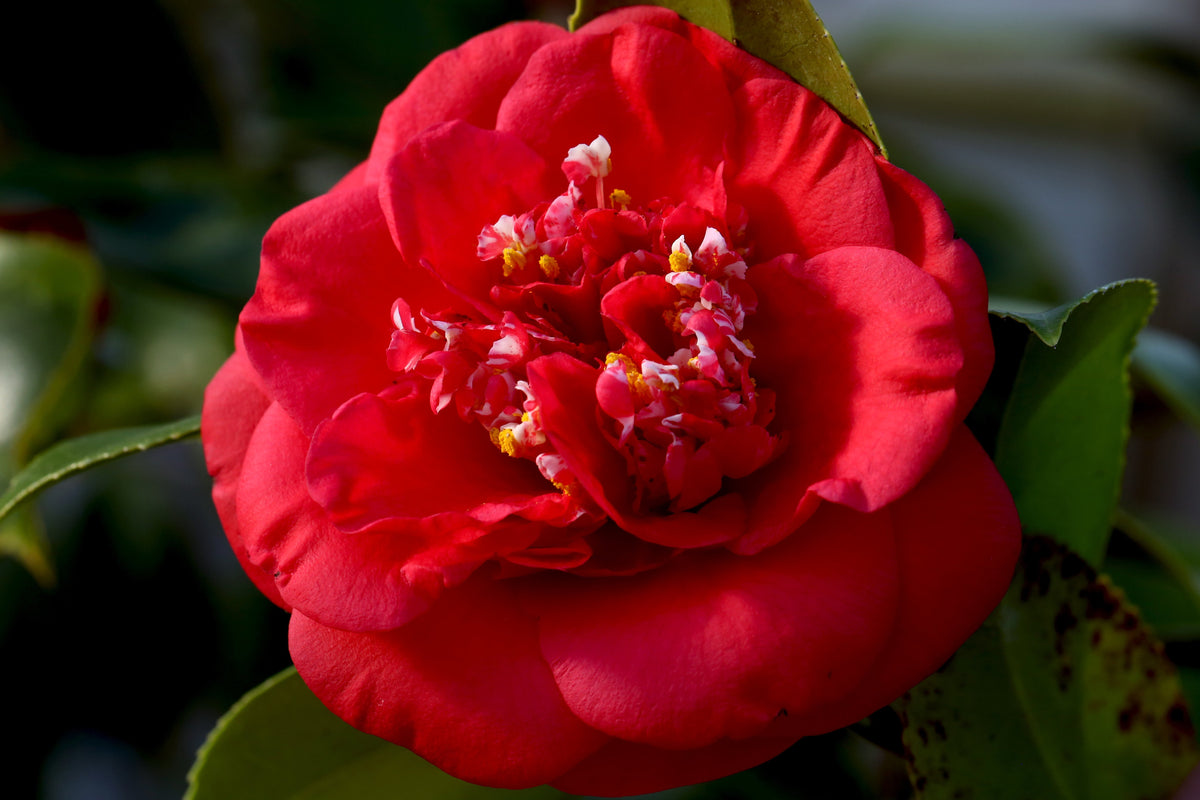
712	645
667	135
807	179
958	538
234	402
925	234
466	83
464	686
393	460
620	769
860	349
736	64
319	324
362	581
566	392
447	184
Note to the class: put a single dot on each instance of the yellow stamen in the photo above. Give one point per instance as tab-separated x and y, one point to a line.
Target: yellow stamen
679	260
633	375
507	441
620	197
562	487
514	260
549	266
637	385
618	358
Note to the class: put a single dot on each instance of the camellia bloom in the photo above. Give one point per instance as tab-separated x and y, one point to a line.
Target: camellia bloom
605	427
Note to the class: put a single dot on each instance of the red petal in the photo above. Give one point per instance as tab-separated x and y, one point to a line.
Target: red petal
859	346
713	645
463	686
806	177
667	135
620	769
447	184
635	307
362	581
234	402
382	459
465	84
566	391
353	179
318	327
958	539
738	65
924	234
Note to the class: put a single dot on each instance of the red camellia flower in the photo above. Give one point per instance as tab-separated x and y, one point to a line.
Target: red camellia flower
605	427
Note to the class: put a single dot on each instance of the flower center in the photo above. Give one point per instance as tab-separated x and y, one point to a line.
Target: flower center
654	296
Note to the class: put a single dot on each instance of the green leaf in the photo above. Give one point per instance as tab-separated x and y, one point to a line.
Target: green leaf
1061	443
1165	585
1046	324
1061	695
75	455
1171	366
48	295
787	34
279	742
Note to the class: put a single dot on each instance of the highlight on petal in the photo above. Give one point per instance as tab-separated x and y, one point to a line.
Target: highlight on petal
808	180
667	137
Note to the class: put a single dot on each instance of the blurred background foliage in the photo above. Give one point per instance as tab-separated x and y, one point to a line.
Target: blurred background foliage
164	136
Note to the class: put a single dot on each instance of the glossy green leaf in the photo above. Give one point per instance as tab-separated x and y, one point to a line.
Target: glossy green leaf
785	33
48	295
75	455
1171	366
279	742
1063	694
1061	443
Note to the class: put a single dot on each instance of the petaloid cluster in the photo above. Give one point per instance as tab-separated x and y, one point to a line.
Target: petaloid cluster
664	285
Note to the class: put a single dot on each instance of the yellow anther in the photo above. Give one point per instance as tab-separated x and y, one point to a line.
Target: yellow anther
694	362
494	435
749	345
620	197
562	487
526	416
637	385
618	358
549	266
680	261
514	260
506	440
